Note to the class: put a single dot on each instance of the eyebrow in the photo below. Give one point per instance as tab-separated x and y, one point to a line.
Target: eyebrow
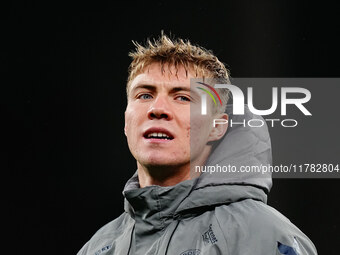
144	86
154	88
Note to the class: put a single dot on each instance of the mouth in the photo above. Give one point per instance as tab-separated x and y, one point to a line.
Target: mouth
160	134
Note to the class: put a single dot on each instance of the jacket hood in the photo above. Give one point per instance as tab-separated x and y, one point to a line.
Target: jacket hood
241	146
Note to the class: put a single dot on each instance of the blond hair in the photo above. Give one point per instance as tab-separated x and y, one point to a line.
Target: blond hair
177	52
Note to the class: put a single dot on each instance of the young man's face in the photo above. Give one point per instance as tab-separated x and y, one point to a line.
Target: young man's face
158	123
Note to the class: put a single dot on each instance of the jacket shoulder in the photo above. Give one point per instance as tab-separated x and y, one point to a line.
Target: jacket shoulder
262	228
106	236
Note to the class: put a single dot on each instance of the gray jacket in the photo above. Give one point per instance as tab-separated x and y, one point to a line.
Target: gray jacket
219	213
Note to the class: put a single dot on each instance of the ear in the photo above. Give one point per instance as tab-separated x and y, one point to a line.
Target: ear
219	128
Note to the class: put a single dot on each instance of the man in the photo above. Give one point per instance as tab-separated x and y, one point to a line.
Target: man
169	207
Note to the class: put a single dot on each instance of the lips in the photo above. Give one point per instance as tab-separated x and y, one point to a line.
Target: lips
158	133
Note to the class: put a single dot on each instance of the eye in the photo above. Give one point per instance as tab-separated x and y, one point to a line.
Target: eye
183	98
144	96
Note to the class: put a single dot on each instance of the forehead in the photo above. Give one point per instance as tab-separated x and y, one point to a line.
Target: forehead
167	76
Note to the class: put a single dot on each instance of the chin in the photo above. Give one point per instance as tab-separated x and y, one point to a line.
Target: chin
161	161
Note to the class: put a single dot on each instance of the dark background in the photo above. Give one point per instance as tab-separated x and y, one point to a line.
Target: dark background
64	68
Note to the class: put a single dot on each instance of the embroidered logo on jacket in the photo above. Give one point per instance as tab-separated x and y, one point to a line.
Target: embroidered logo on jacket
191	252
285	249
209	236
105	248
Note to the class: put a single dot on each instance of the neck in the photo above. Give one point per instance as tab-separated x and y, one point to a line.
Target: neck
162	175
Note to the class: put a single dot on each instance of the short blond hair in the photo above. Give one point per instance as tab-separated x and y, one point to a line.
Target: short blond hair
179	52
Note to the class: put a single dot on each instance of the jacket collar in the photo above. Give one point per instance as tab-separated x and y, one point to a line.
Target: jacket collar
158	205
155	205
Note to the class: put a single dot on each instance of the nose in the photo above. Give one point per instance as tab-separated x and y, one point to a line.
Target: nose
160	109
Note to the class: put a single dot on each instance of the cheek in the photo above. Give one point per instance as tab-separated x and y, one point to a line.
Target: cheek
200	129
182	122
131	122
200	123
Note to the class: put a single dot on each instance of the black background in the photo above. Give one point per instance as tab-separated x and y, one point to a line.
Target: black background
64	68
